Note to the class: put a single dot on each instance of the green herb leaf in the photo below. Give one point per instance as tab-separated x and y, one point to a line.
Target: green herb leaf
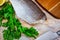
14	26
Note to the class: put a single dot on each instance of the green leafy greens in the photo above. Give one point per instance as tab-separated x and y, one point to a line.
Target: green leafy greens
14	26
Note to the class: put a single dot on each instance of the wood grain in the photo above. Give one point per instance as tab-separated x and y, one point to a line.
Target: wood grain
48	4
53	6
56	11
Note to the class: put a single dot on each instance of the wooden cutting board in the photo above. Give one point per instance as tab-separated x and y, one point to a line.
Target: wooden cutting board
52	6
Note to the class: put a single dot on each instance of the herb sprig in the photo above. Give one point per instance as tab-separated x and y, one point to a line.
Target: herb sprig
13	25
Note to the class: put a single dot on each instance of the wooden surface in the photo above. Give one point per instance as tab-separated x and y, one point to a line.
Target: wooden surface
53	6
48	4
56	11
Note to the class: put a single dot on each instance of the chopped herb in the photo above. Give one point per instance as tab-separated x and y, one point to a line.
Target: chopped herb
13	25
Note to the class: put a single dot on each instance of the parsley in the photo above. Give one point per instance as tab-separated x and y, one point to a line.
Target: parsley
13	25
